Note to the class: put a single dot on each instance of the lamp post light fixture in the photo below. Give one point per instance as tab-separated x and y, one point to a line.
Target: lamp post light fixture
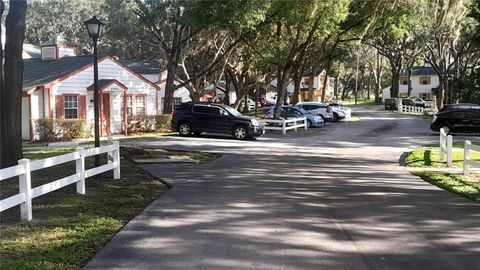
95	29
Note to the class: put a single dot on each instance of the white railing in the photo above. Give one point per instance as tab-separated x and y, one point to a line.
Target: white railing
446	148
467	161
25	167
410	109
284	124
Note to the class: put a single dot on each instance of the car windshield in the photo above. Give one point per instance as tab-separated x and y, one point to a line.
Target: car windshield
303	111
232	111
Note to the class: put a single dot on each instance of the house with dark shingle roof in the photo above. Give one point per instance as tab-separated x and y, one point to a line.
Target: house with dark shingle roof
151	70
424	80
59	85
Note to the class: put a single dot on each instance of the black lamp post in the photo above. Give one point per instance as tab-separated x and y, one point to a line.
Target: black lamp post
95	29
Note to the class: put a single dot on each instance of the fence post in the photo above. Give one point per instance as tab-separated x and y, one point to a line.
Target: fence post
284	127
110	139
305	123
25	187
449	151
466	158
116	160
80	167
295	124
442	154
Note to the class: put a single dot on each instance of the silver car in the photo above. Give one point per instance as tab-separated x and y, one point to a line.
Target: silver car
322	110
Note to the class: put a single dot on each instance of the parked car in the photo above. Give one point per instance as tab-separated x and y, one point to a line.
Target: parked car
461	120
198	117
418	102
322	110
335	102
313	120
458	106
390	104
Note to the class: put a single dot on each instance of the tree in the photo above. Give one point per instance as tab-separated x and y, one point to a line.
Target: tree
11	84
397	30
447	18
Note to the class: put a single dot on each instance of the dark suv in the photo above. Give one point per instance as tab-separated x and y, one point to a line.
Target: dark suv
198	117
460	120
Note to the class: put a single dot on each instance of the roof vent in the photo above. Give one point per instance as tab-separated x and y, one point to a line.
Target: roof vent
57	48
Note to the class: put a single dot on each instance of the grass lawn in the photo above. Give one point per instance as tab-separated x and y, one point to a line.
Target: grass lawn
368	102
89	142
68	229
468	187
429	157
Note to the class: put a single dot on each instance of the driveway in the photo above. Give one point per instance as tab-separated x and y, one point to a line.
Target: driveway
336	200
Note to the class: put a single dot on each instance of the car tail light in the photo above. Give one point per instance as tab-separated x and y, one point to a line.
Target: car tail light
174	113
329	109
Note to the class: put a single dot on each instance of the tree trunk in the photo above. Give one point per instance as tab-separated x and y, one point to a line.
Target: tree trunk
369	85
283	79
325	80
2	85
227	91
310	87
441	90
296	90
11	106
395	78
409	74
169	87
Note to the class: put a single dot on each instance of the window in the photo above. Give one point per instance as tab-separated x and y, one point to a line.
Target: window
200	109
176	101
404	80
310	107
424	80
71	107
425	96
136	105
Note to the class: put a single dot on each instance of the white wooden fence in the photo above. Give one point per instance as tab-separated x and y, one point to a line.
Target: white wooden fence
284	124
467	161
446	148
410	109
25	167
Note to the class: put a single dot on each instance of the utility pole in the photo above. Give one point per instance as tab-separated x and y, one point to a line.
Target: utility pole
356	80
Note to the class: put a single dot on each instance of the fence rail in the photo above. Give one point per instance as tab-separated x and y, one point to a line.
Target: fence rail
25	167
284	124
467	161
411	109
446	148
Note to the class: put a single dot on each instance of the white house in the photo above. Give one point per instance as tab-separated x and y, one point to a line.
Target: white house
59	85
317	85
424	80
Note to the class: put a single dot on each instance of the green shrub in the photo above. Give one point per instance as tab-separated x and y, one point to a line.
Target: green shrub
72	128
162	122
141	123
47	129
60	129
408	102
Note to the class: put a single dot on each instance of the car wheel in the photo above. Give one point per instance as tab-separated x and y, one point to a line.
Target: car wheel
309	124
446	129
335	117
323	118
240	133
184	129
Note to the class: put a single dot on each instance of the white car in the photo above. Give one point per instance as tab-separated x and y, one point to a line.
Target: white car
321	109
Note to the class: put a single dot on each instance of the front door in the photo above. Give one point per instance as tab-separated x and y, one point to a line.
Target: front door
105	112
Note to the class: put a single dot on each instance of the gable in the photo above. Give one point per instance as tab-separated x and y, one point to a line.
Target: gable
108	69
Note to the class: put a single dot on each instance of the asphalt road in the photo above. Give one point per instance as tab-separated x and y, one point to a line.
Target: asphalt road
335	200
